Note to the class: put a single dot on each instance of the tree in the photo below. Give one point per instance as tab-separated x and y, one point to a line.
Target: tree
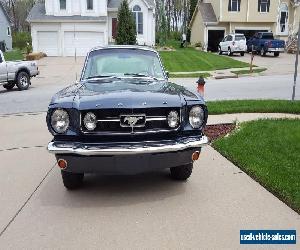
126	32
163	29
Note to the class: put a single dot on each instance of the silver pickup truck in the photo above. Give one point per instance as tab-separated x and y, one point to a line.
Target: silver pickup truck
17	73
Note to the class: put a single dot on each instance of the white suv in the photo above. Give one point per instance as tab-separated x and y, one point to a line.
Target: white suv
233	43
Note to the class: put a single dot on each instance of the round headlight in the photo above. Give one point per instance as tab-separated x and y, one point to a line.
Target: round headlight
173	119
90	121
60	121
196	117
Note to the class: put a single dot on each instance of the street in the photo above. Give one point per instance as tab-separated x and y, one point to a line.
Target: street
57	74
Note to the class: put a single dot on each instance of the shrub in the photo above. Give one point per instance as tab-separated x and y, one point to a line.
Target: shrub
21	39
198	45
175	35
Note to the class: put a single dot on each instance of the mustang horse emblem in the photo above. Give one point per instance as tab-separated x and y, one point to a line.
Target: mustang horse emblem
132	120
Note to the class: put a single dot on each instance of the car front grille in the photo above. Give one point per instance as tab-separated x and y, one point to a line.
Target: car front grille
117	121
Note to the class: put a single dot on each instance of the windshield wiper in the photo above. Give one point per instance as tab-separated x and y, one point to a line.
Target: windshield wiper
101	77
140	75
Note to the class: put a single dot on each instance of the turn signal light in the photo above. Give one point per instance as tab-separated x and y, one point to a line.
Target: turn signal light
62	163
195	156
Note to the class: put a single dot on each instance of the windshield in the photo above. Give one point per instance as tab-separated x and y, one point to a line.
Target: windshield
240	38
268	36
123	62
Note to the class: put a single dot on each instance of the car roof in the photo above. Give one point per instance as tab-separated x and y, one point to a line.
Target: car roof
136	47
236	34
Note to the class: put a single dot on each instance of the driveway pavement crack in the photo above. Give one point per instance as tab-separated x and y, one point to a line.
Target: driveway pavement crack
25	203
20	148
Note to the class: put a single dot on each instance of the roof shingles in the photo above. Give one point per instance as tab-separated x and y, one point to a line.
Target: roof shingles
207	12
38	13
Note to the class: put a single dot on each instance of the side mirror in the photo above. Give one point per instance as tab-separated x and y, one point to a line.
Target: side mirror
168	74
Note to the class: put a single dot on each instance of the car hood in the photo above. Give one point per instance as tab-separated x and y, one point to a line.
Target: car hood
127	93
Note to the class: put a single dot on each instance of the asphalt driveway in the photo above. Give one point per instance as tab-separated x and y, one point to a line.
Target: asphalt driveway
147	211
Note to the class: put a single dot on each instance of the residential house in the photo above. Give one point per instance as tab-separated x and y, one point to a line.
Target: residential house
213	19
5	27
69	27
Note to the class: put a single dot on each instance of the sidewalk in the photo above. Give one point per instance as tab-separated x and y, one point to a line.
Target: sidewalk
220	74
245	117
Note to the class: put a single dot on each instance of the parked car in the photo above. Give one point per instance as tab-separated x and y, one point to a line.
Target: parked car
17	73
233	43
123	116
264	42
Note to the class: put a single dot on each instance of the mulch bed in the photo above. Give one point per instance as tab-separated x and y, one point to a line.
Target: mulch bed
214	132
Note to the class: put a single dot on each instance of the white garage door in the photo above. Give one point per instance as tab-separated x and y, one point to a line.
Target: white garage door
48	42
82	42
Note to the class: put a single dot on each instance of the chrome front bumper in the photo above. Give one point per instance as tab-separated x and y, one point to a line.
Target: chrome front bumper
95	149
276	50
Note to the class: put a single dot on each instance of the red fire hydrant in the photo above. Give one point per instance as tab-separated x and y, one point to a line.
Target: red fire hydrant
201	83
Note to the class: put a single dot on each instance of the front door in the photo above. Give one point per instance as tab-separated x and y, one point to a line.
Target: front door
114	26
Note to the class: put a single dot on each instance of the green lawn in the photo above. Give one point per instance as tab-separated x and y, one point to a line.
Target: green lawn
13	55
247	71
268	150
254	106
189	60
191	75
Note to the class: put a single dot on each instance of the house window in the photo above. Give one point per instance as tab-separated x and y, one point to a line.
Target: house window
63	4
283	18
8	31
263	6
138	19
234	5
90	4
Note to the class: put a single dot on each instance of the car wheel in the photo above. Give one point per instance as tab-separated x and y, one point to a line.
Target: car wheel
242	53
9	85
229	53
263	52
23	80
220	51
72	180
276	54
182	173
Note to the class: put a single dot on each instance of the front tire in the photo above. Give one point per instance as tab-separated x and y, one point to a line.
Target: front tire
229	53
276	54
9	85
242	53
263	52
182	173
220	51
72	180
23	80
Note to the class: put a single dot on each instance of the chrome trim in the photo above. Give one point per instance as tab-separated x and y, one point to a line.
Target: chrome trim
148	119
275	49
126	149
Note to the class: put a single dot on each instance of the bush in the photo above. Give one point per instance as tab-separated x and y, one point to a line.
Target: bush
175	35
20	40
198	45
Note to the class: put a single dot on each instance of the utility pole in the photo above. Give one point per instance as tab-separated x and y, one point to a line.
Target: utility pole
296	65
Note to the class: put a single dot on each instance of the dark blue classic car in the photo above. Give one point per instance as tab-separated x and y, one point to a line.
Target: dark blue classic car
124	117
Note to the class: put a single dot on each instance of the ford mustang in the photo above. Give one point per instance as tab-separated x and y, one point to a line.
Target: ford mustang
125	117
